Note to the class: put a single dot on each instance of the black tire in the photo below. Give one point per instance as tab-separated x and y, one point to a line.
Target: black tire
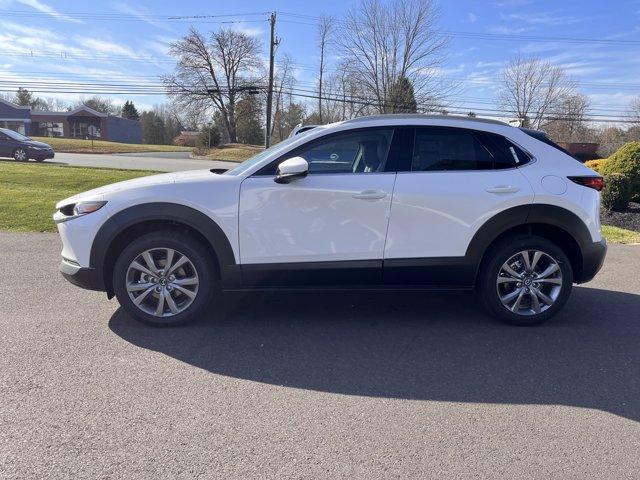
491	269
184	245
20	155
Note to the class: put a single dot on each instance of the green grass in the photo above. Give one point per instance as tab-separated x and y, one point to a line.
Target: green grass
620	235
233	152
75	145
29	192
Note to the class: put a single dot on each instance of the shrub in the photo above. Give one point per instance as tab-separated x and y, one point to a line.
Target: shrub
616	192
595	164
625	160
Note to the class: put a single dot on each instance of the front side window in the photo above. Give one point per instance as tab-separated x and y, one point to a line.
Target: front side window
446	149
354	152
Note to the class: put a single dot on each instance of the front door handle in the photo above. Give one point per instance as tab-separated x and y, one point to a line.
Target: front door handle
503	189
370	195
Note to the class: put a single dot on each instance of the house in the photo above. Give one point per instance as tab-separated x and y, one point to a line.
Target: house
83	122
15	117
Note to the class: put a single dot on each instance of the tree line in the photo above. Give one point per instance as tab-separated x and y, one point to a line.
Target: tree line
391	55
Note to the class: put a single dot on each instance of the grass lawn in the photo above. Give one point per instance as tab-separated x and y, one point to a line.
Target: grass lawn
29	191
620	235
75	145
233	152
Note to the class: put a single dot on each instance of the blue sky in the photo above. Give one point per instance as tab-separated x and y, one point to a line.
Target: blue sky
117	42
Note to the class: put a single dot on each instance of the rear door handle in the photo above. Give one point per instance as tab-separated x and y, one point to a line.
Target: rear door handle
503	189
370	195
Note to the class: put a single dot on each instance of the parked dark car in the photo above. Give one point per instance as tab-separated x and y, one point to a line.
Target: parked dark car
21	148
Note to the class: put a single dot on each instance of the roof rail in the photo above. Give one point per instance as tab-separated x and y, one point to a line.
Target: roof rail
420	116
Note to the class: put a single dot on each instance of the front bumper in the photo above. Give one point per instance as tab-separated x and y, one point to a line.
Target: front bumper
41	154
88	278
592	259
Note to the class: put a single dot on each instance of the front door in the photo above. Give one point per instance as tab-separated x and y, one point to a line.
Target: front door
6	145
327	228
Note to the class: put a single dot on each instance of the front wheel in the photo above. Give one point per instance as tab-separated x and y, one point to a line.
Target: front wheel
20	155
164	278
525	280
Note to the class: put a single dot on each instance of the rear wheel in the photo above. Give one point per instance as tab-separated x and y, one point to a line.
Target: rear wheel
525	280
20	155
164	278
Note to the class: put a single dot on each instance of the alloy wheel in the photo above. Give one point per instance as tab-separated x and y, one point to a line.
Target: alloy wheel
20	155
529	282
162	282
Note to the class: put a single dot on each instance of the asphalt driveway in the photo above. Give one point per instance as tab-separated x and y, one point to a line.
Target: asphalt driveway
344	385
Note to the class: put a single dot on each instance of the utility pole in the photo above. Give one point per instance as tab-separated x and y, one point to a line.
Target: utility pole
272	53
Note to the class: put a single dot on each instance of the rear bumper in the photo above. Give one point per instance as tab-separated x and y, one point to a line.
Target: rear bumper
592	260
88	278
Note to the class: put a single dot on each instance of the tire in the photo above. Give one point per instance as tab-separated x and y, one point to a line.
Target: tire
519	295
195	277
20	155
39	160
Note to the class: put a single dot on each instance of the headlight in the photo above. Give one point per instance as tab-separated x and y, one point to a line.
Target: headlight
82	208
75	210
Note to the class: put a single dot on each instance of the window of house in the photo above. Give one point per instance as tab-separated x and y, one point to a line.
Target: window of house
15	126
50	129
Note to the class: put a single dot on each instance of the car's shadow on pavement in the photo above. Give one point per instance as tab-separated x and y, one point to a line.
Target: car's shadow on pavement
417	346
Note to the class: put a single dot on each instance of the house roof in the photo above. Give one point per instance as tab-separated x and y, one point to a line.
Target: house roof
13	105
87	109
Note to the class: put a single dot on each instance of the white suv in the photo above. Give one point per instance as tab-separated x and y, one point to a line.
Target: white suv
384	202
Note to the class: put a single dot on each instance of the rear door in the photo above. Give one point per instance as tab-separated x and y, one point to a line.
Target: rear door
457	179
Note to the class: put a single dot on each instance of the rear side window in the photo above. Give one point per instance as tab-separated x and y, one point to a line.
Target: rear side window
538	135
507	152
446	149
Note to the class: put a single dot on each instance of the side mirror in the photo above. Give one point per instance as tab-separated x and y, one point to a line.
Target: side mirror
296	167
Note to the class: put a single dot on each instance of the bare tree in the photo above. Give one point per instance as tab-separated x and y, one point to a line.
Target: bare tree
532	89
384	42
569	119
214	71
635	111
325	29
284	82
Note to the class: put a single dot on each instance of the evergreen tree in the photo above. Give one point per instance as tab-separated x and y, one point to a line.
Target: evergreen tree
401	98
153	128
209	136
249	125
129	111
24	97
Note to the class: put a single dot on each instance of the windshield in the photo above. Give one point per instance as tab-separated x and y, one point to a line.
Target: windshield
14	135
247	164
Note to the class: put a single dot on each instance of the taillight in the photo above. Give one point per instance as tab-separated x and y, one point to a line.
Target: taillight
597	183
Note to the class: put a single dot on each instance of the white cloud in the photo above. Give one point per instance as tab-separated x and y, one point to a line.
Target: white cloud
49	10
142	14
25	30
106	47
547	19
243	27
504	30
472	17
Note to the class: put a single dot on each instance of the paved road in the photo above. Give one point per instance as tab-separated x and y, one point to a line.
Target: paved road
162	162
295	386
